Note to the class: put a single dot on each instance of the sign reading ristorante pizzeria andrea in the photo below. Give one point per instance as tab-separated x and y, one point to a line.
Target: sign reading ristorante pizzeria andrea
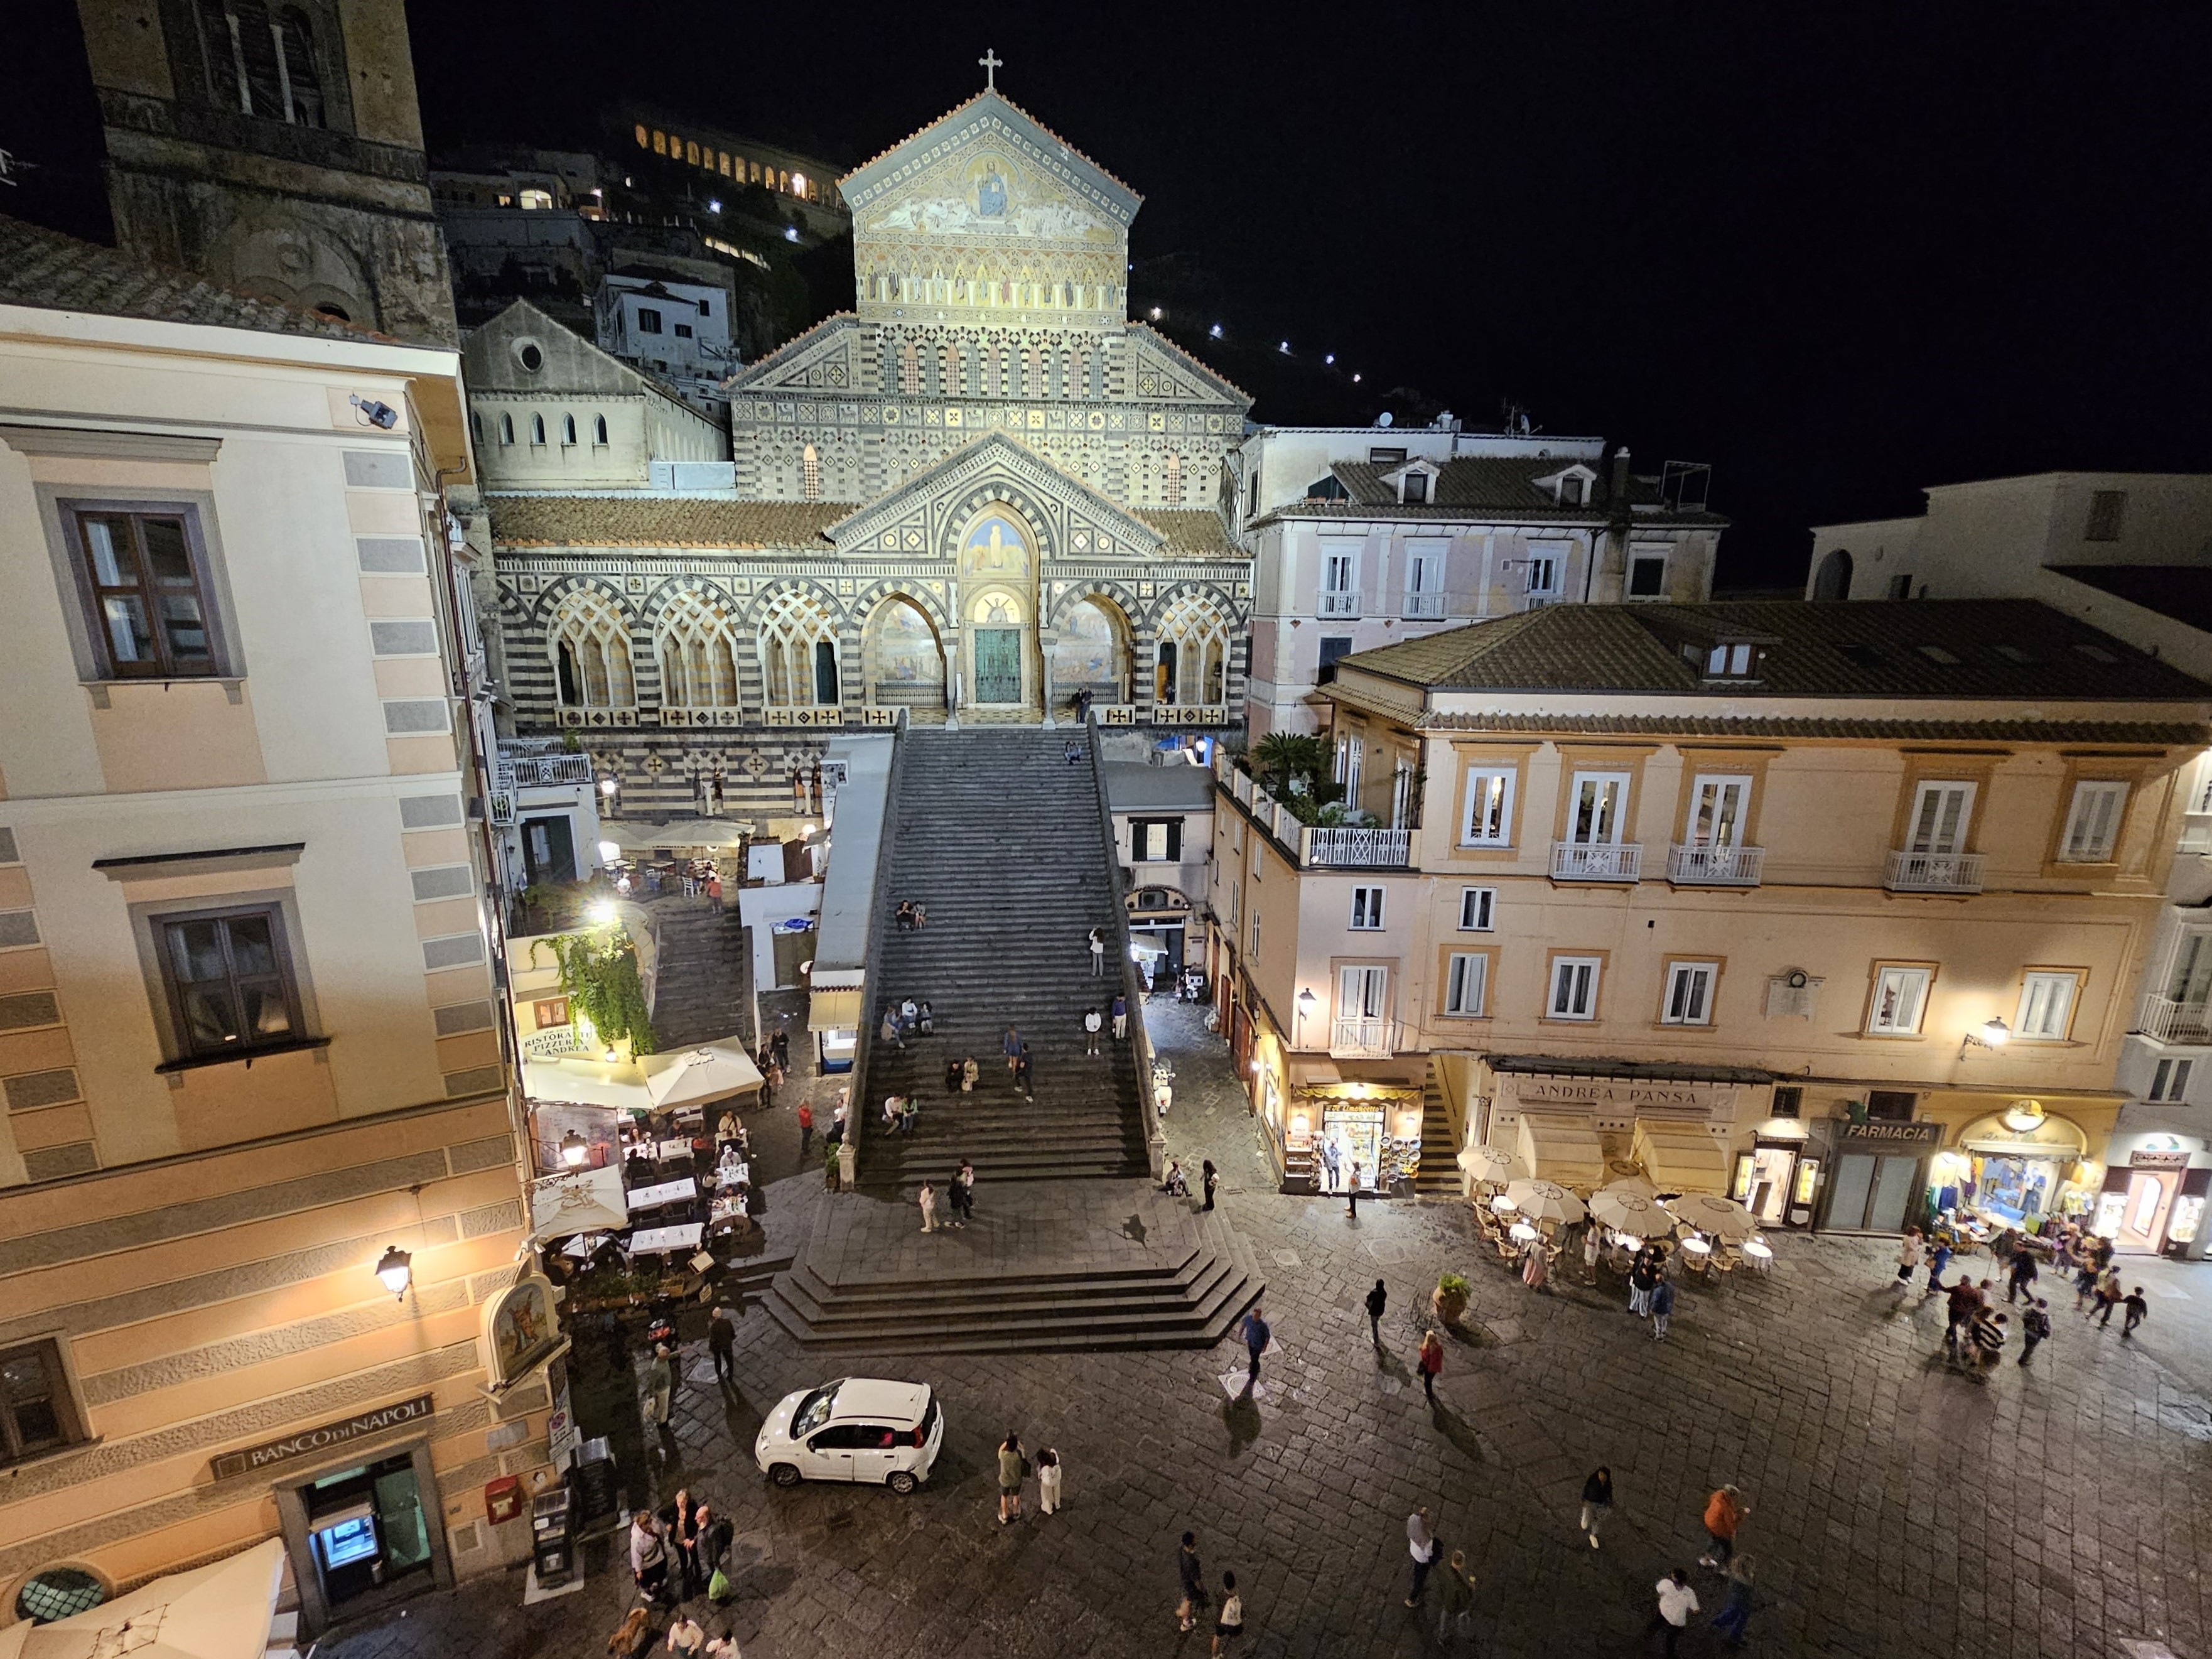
308	1442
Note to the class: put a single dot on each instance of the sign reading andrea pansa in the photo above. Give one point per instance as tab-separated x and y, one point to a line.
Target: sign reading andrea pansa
308	1442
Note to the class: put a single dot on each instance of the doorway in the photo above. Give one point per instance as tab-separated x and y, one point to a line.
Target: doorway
549	850
2143	1210
998	665
1871	1191
364	1535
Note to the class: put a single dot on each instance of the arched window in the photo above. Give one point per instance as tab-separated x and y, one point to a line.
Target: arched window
590	654
799	653
1175	480
809	473
1082	375
1193	661
507	429
567	429
537	429
476	426
691	151
948	370
1834	580
599	430
722	161
909	369
1032	373
303	81
698	655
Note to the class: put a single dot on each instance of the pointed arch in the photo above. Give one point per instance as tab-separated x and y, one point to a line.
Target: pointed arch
698	653
589	644
799	651
1173	487
1191	665
909	369
901	656
1091	651
809	473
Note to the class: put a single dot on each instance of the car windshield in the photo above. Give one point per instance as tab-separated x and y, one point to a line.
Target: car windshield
814	1411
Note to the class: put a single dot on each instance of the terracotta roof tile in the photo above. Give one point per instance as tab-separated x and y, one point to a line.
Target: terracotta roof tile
1190	531
1491	486
47	271
662	521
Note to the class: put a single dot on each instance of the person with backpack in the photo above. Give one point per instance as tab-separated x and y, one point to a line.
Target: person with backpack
1013	1469
2035	1327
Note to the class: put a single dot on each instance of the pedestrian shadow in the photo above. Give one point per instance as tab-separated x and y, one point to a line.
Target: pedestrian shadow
1241	1417
1134	1230
1456	1429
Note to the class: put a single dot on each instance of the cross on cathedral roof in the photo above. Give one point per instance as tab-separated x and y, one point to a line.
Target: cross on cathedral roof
992	64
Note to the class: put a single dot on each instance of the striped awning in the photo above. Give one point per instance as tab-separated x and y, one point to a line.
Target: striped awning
1562	1149
1681	1158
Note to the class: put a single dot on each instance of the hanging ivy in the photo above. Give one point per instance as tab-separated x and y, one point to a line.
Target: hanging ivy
598	974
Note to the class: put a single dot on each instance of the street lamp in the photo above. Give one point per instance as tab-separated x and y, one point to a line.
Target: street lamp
574	1149
397	1270
1305	1001
1994	1034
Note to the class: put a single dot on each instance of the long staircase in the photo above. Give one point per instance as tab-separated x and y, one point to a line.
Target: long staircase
999	839
1439	1174
1072	1246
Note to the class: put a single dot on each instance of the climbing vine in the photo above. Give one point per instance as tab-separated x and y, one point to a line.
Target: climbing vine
599	973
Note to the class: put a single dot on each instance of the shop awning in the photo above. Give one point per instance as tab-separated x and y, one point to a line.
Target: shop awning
219	1611
2052	1137
1562	1149
1680	1158
833	1009
702	1072
578	1202
574	1080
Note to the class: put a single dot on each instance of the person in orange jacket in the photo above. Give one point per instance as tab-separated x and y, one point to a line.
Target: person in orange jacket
1725	1511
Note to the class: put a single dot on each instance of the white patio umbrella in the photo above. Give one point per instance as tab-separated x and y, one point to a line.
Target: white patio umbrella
1495	1165
1545	1200
219	1611
1625	1210
702	1072
578	1202
1723	1217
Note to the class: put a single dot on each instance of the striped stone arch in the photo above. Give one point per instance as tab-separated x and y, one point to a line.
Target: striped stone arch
1122	597
770	590
1019	501
899	588
590	638
669	592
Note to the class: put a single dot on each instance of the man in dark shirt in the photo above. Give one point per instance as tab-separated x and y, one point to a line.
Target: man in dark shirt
1192	1577
1377	1300
2136	1308
722	1342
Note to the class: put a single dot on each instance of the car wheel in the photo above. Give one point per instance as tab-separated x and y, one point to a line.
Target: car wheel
784	1474
902	1481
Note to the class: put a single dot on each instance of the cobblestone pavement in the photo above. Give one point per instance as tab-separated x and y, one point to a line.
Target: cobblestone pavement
1898	1508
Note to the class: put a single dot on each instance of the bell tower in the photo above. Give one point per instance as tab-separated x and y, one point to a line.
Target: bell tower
274	146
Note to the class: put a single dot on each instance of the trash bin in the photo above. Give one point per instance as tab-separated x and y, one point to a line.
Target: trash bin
552	1544
594	1482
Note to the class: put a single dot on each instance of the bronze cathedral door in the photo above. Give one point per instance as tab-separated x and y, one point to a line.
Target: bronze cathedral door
998	665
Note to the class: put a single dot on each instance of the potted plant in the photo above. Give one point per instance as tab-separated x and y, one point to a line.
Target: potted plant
1449	1297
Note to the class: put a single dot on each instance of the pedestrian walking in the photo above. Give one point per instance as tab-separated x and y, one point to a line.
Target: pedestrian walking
2035	1327
1430	1363
686	1640
970	1075
1097	943
660	1386
1643	1283
1121	1017
1938	1261
1725	1513
1208	1179
1455	1616
1257	1336
722	1344
1010	1046
1047	1474
1662	1308
1958	1309
1597	1499
1229	1623
1190	1576
1091	1026
805	1130
1735	1607
648	1554
2136	1309
1593	1241
684	1543
2108	1296
783	1048
927	1200
1024	1076
1352	1193
1908	1256
710	1549
1013	1469
1677	1601
1377	1300
1421	1545
963	1194
1535	1265
1331	1166
2022	1280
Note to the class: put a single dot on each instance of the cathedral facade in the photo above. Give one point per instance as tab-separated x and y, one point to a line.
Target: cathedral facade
985	495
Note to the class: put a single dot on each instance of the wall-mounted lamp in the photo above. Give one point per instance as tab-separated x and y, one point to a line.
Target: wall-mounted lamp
1993	1033
574	1149
603	913
2024	1116
397	1270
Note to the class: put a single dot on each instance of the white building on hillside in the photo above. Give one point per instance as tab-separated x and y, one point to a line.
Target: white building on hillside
677	331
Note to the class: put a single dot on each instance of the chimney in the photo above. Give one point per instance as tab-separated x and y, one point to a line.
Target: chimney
1621	475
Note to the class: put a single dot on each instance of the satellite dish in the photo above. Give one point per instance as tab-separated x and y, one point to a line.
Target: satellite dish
1383	419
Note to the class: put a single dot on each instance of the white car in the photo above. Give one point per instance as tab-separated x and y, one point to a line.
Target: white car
858	1428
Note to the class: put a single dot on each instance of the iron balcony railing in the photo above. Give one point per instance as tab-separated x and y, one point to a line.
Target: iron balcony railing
540	771
1576	860
1934	872
1362	1039
1366	849
2169	1021
1714	867
1423	605
1339	604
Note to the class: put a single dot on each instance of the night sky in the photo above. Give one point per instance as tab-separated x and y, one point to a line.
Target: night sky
1866	252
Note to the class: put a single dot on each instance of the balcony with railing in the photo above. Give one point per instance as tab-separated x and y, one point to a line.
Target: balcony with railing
2168	1021
1333	604
1362	1039
1355	848
1714	867
1422	605
1934	872
543	771
1577	860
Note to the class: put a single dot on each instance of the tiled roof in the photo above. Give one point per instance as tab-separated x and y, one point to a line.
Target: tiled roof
1134	785
1488	485
44	269
661	521
1196	362
2183	593
752	371
2012	649
2164	733
1190	531
994	94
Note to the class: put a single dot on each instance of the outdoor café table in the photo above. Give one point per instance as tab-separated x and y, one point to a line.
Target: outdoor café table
653	1241
669	1149
668	1192
1504	1205
1758	1253
1696	1253
1522	1233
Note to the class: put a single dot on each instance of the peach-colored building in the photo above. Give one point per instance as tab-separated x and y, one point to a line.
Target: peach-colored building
248	1035
1796	902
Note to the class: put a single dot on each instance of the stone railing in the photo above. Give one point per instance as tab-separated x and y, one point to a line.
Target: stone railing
1355	848
1934	872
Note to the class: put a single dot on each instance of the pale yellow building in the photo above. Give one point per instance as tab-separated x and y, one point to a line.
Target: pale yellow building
1797	902
248	1038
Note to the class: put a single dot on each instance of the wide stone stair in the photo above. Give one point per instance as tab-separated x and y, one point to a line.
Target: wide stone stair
699	974
1000	839
1439	1174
